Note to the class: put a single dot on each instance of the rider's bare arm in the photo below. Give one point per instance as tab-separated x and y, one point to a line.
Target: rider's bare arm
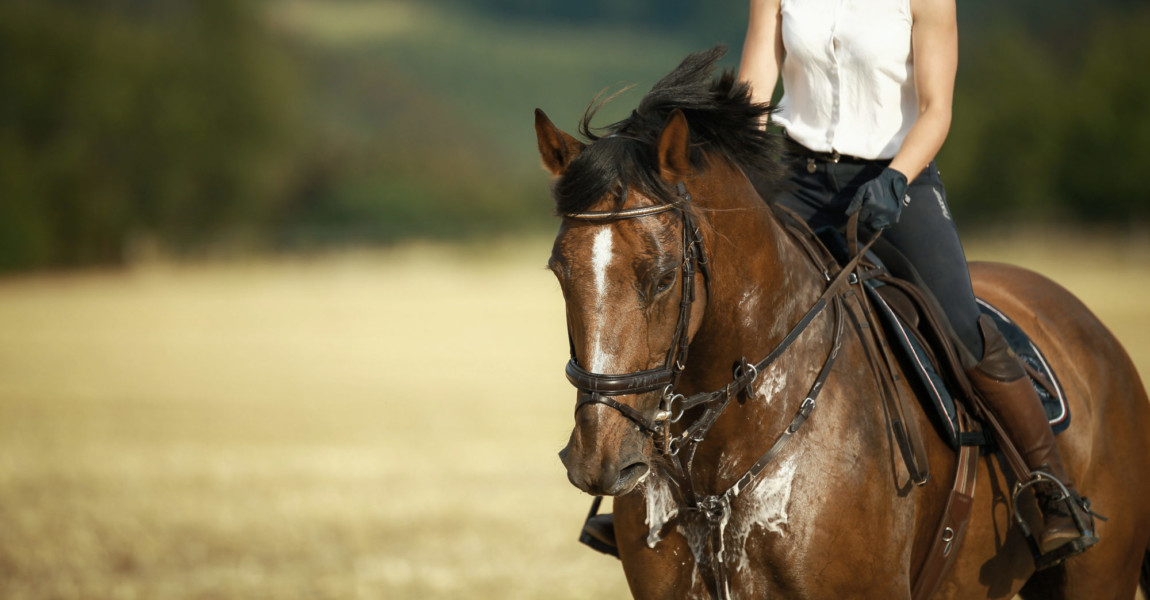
763	49
934	42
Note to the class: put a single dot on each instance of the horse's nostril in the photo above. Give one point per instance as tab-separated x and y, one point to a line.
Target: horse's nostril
629	476
633	470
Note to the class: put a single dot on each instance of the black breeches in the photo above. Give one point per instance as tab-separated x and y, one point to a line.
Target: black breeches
925	234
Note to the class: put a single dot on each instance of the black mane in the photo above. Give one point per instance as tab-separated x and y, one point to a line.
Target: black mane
721	117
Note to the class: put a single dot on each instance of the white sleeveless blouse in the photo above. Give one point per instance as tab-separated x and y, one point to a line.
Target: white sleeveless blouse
848	75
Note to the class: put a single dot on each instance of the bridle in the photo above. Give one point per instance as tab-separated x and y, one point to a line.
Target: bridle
598	388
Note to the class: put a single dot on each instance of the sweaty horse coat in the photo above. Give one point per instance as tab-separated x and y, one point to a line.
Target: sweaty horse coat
835	513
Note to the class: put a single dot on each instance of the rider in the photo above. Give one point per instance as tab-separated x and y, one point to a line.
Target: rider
866	106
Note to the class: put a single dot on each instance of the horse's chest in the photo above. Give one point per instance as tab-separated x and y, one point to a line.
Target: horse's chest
757	524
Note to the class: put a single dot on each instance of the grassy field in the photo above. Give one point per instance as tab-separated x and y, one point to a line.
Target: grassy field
376	425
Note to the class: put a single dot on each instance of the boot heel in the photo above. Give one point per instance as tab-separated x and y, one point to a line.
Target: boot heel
1063	552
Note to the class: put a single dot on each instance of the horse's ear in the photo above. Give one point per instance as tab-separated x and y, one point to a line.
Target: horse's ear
556	147
675	148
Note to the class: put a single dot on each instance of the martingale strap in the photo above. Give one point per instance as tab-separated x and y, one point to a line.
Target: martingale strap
716	508
805	408
717	400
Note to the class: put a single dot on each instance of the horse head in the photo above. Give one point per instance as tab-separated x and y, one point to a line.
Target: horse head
622	279
631	259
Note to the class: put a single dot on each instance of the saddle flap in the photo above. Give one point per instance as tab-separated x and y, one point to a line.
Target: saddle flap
937	381
901	304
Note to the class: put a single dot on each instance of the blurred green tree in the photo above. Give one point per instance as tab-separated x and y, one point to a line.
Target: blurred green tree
1102	174
1007	130
123	121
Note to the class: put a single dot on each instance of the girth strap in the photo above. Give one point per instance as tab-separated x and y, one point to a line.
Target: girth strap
952	526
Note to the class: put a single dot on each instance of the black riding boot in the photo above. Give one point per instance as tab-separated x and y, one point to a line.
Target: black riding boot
1006	389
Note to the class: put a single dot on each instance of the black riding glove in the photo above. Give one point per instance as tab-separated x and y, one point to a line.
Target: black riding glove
880	199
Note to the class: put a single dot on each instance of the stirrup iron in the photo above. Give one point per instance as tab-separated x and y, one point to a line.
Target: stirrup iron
1080	514
586	538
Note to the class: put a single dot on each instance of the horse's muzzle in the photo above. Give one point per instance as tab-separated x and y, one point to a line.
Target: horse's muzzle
605	469
609	479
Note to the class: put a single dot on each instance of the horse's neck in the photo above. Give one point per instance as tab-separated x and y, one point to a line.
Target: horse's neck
762	284
762	281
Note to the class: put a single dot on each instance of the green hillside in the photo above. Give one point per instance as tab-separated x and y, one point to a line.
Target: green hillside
429	111
477	73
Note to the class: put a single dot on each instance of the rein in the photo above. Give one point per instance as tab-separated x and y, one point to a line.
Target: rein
600	388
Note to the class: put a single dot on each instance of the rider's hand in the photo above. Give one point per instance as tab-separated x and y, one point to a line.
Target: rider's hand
880	199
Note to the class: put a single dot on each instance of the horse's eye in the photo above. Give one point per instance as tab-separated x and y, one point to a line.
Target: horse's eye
665	282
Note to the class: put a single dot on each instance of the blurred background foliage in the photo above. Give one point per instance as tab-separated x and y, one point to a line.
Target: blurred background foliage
131	128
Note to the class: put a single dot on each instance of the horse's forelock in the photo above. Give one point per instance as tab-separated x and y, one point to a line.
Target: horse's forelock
612	166
720	115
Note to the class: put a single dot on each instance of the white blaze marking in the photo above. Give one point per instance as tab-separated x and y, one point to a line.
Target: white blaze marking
600	259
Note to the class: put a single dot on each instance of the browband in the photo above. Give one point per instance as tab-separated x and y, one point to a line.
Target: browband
616	215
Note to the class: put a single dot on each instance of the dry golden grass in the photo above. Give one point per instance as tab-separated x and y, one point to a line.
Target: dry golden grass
363	426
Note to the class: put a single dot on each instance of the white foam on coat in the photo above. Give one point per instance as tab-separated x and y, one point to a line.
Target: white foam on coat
764	506
661	508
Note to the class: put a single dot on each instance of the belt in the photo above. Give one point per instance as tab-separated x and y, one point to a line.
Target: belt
831	157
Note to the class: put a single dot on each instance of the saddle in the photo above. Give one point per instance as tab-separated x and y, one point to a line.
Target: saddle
913	320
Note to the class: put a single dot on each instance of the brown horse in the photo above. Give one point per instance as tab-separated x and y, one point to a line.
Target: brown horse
666	243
